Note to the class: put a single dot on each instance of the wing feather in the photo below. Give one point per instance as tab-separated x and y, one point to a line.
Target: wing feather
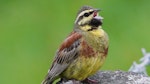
67	52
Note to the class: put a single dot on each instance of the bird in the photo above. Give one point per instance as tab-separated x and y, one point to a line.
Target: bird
84	50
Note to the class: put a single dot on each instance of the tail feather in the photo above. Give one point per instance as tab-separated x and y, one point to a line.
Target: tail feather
47	80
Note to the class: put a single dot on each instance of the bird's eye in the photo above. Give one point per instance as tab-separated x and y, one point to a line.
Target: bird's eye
86	14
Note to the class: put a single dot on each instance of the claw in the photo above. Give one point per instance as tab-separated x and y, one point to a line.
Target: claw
89	81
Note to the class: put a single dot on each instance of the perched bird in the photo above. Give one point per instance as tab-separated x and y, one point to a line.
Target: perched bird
83	52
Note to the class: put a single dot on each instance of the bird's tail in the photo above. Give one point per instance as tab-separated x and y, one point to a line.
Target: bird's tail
47	80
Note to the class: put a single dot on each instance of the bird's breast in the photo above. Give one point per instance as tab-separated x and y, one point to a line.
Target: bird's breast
92	53
83	67
96	40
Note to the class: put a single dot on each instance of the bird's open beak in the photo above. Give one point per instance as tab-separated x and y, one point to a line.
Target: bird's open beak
97	10
96	16
99	17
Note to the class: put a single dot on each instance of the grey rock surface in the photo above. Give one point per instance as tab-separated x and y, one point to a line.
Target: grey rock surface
115	77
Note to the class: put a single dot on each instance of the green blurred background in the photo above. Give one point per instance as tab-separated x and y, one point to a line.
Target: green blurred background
32	30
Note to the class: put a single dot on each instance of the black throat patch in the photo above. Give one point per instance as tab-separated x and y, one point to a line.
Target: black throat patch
95	22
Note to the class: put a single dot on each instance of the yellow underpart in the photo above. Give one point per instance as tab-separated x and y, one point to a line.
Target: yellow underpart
85	28
83	67
96	32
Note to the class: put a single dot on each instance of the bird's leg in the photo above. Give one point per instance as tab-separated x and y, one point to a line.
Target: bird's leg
75	81
89	81
63	80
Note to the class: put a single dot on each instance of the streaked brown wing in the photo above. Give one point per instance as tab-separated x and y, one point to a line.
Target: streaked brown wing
67	52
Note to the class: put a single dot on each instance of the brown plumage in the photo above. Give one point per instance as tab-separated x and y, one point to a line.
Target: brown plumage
83	52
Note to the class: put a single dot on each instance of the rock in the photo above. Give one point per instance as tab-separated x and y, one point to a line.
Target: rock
116	77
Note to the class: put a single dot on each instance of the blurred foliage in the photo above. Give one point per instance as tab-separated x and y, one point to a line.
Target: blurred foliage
32	30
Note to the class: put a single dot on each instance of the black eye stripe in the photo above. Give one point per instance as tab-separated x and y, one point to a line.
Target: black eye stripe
84	15
91	12
87	14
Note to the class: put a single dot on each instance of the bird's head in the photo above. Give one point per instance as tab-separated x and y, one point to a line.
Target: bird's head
88	18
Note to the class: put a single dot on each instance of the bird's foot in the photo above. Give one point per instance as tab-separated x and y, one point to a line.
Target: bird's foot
89	81
65	81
